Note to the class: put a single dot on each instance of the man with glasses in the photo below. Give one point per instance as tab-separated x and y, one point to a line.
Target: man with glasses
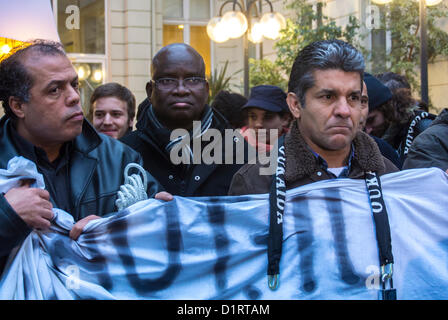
178	93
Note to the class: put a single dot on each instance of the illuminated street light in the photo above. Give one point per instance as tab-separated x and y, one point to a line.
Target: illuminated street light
234	24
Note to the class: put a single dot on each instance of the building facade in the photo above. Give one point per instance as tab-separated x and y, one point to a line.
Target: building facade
114	40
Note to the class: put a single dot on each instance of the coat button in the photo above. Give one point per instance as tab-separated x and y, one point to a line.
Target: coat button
197	178
170	177
319	173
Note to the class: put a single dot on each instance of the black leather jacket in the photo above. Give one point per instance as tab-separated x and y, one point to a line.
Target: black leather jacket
96	170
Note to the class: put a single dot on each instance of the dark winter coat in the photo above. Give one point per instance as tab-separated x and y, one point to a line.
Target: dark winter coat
430	148
96	166
302	166
202	179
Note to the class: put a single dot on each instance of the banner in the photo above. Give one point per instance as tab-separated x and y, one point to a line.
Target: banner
216	247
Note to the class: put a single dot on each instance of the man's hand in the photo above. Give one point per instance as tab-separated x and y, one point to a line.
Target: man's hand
32	205
165	196
79	226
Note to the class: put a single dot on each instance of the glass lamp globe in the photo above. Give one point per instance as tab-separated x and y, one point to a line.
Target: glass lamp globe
211	26
381	1
83	71
430	3
97	75
272	23
235	23
256	32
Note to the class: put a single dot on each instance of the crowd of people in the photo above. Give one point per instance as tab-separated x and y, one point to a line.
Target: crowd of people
335	121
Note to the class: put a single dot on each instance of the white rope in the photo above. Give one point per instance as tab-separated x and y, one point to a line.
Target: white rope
134	189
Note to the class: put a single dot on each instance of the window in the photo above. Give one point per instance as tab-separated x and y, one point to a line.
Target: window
81	27
186	21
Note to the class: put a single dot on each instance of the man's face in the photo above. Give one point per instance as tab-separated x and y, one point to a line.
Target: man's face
330	119
262	119
110	116
376	124
53	114
365	107
178	107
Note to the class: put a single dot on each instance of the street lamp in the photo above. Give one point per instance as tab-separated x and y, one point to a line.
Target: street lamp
423	44
234	24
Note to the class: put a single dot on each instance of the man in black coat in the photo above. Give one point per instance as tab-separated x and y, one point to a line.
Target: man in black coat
44	123
173	129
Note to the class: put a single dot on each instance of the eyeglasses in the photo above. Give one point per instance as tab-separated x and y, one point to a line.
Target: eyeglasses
172	83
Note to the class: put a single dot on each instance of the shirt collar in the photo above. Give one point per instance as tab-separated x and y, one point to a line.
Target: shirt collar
324	165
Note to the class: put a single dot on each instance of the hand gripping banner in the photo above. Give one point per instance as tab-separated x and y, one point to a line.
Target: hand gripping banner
216	247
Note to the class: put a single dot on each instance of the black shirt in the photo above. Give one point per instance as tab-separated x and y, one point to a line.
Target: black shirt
56	174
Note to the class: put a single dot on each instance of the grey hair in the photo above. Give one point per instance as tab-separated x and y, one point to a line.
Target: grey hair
323	55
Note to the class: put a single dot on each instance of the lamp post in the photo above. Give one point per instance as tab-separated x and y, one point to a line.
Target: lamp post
235	24
423	45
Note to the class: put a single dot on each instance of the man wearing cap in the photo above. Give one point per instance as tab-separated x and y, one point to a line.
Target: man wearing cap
266	109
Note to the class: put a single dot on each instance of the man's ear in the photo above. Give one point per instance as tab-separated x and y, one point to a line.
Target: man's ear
16	106
149	88
294	104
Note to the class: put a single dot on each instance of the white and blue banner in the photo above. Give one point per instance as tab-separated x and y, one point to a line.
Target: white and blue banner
216	247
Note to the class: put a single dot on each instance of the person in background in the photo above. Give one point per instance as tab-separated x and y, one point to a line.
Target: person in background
112	110
229	104
371	97
397	119
266	109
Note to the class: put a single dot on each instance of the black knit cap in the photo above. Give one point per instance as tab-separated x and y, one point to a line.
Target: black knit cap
378	92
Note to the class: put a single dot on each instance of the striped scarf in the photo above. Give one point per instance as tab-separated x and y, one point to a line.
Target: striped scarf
195	133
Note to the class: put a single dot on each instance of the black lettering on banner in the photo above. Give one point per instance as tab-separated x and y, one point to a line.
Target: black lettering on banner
304	229
216	217
61	255
333	201
119	230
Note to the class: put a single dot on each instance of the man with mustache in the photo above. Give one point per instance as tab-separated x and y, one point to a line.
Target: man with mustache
325	90
178	94
44	123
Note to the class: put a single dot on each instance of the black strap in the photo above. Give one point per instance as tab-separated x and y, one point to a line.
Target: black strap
277	202
382	229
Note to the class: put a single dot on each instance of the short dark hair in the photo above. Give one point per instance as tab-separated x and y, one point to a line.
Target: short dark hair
15	80
229	104
116	90
323	55
393	80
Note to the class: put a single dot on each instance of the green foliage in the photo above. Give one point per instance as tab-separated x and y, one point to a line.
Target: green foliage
309	26
266	72
219	80
402	20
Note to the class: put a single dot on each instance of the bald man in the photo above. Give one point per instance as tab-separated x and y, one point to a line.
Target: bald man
178	94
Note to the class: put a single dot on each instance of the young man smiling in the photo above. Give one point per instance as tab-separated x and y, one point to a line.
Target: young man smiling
112	109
